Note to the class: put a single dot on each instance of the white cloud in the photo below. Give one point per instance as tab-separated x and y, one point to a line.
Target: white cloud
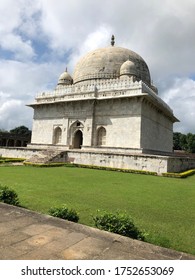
14	43
9	106
94	40
13	112
13	16
19	84
181	97
10	15
68	23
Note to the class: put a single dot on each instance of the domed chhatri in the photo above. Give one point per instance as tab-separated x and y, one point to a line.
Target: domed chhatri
105	63
128	68
65	79
108	107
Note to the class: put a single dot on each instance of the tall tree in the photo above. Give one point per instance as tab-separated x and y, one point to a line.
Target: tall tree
21	130
184	142
176	141
190	145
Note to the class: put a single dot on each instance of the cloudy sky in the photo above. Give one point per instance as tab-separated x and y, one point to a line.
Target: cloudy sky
40	38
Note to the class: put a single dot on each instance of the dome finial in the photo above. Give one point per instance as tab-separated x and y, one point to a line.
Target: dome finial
112	40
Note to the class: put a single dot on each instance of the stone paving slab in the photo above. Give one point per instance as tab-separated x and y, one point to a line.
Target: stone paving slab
27	235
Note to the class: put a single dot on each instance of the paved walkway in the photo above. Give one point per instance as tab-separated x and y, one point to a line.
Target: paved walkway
27	235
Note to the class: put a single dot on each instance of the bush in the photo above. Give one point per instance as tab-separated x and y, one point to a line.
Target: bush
180	175
119	223
10	160
111	169
64	213
8	196
14	159
52	164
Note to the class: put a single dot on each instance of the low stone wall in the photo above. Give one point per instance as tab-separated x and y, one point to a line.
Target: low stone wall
18	152
137	162
179	164
154	163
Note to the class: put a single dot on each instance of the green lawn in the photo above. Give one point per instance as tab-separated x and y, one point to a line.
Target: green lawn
163	207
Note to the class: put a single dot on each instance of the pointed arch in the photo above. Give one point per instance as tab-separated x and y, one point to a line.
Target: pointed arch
57	136
75	133
101	136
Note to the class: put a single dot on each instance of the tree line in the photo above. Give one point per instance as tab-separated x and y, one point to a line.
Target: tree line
184	142
20	130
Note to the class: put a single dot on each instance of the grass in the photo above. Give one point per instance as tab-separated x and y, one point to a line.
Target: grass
162	207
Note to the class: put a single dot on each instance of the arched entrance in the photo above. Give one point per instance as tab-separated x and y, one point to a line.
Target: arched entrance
78	139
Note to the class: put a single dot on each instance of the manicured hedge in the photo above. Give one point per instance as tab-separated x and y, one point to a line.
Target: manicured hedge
90	167
7	160
114	169
180	175
55	164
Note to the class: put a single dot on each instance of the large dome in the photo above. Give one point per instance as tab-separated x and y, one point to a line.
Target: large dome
105	63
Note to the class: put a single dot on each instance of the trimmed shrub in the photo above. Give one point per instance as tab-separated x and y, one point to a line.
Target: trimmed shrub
8	196
52	164
67	164
144	172
14	159
10	160
64	213
119	223
184	174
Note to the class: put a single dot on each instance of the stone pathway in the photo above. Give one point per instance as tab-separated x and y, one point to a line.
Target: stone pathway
27	235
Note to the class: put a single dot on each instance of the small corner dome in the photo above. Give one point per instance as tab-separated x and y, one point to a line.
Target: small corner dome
65	79
128	68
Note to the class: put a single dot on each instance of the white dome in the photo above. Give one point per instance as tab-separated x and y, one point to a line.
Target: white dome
128	68
105	63
65	79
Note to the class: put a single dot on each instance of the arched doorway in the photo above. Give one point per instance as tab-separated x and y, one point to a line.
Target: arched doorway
78	139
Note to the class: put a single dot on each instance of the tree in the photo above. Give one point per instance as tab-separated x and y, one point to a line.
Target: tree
21	130
184	142
190	143
176	141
